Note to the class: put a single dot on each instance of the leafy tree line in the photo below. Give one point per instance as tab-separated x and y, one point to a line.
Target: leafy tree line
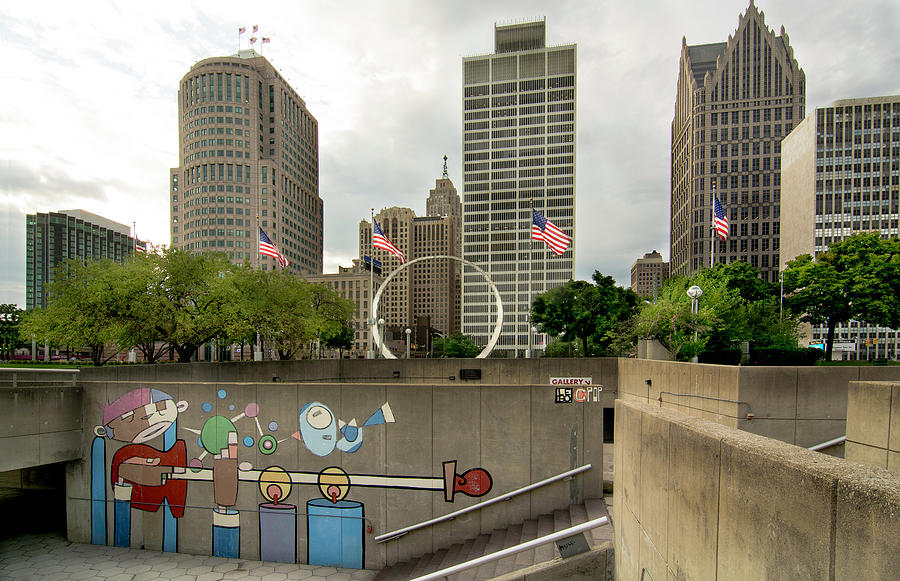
857	278
175	300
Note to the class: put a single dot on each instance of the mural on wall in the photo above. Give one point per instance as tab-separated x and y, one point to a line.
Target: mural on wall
147	475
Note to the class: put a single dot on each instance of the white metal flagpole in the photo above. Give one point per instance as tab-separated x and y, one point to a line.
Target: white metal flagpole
371	280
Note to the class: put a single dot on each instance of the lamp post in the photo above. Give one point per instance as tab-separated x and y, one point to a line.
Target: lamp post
695	292
381	338
408	333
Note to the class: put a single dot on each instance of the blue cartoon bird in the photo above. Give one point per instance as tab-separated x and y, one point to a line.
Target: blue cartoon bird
321	432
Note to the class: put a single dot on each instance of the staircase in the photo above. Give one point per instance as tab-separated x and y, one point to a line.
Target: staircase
502	538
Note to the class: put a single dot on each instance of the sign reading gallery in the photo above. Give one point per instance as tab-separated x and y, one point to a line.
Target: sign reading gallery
576	389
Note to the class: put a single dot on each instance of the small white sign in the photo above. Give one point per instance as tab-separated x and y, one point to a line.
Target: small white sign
848	346
571	381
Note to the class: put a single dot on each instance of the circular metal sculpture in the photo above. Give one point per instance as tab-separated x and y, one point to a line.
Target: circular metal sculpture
373	327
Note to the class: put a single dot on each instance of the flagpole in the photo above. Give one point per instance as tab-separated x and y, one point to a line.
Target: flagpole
530	251
371	280
712	259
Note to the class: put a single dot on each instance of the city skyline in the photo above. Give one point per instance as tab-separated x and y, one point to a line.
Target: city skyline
389	107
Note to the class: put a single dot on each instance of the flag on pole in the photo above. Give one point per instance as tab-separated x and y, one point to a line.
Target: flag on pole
242	30
545	230
252	40
720	220
140	246
255	27
266	39
266	247
379	240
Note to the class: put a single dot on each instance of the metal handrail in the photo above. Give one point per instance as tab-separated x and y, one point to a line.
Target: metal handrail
15	371
516	549
828	444
452	515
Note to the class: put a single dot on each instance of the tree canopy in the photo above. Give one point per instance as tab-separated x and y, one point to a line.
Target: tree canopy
174	299
586	312
856	278
736	305
456	345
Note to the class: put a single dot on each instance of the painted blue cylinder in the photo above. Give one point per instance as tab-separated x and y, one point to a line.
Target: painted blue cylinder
335	532
226	533
278	533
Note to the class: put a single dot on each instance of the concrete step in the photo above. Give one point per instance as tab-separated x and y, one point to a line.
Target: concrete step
426	563
495	543
546	551
513	537
596	508
452	557
397	572
529	532
577	514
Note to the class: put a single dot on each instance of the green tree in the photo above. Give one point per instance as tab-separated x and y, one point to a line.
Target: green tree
456	345
187	299
81	309
340	340
10	316
856	278
585	312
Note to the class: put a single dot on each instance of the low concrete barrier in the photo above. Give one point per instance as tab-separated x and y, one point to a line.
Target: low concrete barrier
697	500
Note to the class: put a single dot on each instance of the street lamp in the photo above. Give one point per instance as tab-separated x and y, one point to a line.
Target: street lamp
695	292
408	333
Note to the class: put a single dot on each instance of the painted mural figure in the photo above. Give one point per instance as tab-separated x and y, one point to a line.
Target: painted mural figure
149	475
140	474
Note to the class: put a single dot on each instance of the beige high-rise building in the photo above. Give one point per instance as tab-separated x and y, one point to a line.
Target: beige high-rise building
648	274
429	288
841	176
736	101
519	153
249	159
352	283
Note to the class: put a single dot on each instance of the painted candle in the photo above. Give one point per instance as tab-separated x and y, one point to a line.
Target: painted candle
335	533
278	532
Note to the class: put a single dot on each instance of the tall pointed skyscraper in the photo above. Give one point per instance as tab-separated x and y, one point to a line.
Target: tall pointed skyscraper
248	148
518	153
736	101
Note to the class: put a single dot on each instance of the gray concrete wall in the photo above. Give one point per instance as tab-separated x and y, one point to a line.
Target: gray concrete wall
40	420
697	500
514	430
873	424
799	405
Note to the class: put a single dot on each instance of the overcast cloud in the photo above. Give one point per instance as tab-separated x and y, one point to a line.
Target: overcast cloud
89	117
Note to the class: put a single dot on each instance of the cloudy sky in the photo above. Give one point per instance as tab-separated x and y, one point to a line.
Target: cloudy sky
89	115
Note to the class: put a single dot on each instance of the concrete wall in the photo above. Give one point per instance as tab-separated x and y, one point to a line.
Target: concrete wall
697	500
873	424
799	405
512	429
40	419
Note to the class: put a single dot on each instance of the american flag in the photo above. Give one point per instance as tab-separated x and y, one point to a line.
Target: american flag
242	30
720	220
140	246
544	229
379	240
266	247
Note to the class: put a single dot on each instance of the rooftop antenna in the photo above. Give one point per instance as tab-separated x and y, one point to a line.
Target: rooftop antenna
445	176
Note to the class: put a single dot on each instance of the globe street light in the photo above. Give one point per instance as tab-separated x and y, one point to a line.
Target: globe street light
695	292
408	333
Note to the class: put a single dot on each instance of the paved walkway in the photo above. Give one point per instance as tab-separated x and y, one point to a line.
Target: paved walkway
50	557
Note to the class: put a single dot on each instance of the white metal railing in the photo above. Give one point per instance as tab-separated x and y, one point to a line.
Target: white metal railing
565	533
835	442
480	505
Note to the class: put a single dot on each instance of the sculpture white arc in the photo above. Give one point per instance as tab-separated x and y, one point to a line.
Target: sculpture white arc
498	326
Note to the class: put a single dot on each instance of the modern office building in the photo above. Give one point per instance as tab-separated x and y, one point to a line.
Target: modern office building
249	154
518	153
841	176
54	237
648	274
736	101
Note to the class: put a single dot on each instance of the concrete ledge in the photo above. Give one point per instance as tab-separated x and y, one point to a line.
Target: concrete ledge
742	506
